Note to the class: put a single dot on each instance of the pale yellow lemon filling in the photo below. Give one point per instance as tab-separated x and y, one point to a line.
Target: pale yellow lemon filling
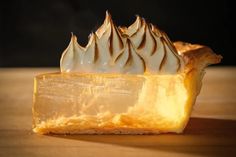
73	103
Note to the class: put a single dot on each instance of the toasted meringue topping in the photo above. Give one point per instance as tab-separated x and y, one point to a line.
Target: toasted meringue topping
140	48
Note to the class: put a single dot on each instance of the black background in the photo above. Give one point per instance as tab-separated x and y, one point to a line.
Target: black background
35	33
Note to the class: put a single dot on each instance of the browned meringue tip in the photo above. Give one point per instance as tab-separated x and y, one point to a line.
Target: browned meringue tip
108	16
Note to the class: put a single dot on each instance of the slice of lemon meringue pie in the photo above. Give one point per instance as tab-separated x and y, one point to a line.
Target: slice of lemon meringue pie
125	81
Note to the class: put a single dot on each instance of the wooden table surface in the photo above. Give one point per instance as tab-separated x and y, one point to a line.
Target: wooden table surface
210	132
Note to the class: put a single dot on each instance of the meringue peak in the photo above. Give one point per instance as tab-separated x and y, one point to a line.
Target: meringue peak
140	48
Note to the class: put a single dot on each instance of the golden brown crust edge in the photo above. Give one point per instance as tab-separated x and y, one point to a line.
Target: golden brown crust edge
196	56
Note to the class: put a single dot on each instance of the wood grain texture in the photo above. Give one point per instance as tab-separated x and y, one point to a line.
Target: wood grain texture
210	132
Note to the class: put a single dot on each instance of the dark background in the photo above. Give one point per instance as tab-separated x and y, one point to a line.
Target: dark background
35	33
